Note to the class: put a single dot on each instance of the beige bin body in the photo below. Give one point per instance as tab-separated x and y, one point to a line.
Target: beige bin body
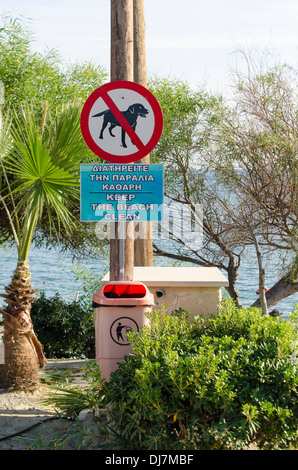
119	307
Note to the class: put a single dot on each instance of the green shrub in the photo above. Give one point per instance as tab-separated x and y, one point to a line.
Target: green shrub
220	383
64	329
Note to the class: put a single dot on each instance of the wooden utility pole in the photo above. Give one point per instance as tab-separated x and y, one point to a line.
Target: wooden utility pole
122	245
139	49
143	251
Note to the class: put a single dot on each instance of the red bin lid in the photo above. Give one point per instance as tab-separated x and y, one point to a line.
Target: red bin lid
114	293
124	291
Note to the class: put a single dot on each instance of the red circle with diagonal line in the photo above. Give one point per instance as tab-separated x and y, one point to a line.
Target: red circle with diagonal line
121	122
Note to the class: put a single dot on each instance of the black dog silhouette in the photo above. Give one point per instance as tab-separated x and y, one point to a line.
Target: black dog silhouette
131	115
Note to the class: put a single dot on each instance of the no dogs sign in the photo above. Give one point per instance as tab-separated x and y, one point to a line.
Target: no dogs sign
121	122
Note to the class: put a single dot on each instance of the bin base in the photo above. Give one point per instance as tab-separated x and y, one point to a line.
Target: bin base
107	366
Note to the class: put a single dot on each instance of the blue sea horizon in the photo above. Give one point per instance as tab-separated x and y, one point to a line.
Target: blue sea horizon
55	272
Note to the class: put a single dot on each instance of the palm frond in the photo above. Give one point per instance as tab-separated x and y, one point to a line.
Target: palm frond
43	160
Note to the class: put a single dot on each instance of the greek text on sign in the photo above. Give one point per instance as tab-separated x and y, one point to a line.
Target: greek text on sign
121	122
121	192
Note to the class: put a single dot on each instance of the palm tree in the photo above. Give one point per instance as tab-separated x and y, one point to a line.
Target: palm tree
40	166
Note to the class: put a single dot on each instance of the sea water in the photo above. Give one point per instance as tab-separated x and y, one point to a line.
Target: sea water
54	272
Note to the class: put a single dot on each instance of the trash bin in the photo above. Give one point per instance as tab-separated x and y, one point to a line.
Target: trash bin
119	307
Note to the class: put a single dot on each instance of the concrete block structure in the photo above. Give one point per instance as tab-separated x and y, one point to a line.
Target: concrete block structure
195	289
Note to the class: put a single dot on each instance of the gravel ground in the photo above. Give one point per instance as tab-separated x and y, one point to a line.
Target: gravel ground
19	411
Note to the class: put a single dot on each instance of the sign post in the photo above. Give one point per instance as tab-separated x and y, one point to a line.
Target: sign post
143	247
121	123
122	30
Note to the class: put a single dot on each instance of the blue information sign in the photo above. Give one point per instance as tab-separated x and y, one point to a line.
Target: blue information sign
121	192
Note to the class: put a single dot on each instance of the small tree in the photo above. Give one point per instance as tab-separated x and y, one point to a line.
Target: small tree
256	157
40	78
225	157
42	162
190	121
35	77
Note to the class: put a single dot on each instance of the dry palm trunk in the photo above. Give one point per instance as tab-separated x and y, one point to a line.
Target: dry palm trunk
23	352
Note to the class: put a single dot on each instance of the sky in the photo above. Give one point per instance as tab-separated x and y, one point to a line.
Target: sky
192	40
